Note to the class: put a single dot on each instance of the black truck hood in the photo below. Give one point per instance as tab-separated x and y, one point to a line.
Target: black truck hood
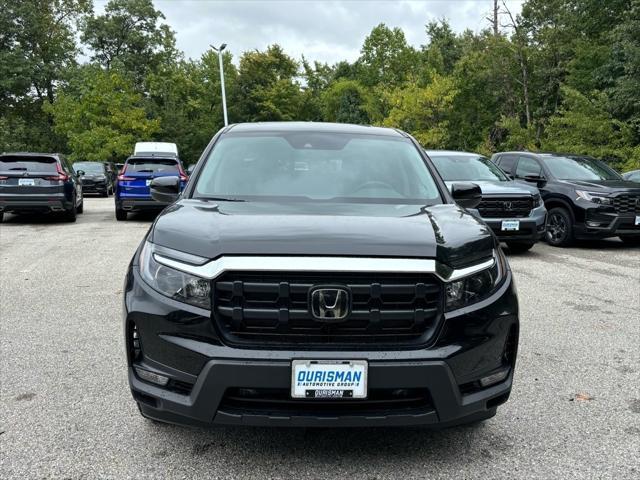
605	186
211	229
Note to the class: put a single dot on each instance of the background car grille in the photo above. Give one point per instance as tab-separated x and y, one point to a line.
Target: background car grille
272	309
626	203
505	207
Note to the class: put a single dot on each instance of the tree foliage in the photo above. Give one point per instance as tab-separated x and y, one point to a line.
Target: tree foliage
101	115
562	75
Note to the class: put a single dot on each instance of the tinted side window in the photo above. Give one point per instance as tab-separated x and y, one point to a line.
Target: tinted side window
528	166
506	163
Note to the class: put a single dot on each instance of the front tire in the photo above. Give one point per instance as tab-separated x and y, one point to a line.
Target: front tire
121	215
519	247
1	216
633	240
81	207
559	227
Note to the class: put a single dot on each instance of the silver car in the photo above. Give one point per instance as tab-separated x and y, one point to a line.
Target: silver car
515	212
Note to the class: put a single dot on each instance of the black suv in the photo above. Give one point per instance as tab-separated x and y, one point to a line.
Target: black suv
585	198
318	274
39	183
97	177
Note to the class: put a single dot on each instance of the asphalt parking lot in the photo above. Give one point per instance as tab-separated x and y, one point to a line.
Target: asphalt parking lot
66	411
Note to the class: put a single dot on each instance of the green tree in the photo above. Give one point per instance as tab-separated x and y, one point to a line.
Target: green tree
101	115
443	50
37	47
582	125
386	57
346	101
267	86
130	35
424	111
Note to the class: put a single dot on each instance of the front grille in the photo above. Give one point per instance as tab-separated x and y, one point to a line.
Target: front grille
626	203
271	309
505	207
278	401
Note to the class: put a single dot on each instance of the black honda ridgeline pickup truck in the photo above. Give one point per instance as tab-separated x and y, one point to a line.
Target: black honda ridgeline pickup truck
318	274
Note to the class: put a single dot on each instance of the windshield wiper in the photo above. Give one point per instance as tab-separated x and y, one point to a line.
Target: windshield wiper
145	171
221	199
17	168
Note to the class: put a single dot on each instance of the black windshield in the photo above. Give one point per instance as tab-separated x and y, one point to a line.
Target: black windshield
466	168
318	166
17	163
145	165
579	168
89	167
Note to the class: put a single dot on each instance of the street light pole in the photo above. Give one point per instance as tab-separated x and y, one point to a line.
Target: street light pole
224	96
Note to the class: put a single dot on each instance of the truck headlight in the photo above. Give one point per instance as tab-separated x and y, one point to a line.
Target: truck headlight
477	286
537	200
173	283
594	197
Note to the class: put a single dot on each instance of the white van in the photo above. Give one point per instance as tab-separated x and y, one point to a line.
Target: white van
156	148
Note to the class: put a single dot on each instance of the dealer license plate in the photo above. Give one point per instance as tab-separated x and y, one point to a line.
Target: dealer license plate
510	225
26	182
637	219
329	379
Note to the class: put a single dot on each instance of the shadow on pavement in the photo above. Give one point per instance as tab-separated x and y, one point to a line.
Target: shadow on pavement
375	448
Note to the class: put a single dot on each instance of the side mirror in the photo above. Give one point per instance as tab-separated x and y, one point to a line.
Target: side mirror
467	195
165	189
538	180
80	172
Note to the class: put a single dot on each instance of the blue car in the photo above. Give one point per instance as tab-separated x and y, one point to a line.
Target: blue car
132	193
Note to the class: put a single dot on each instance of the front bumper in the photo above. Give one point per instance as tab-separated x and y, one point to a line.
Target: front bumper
532	228
95	187
181	343
602	223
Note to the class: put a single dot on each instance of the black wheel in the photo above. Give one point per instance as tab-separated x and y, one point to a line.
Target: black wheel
1	216
120	214
559	227
520	247
81	207
105	193
71	214
630	239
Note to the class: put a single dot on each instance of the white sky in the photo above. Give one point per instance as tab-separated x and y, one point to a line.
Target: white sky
328	31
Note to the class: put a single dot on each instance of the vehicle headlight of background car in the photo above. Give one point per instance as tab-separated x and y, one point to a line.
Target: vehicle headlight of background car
593	197
537	200
173	283
477	286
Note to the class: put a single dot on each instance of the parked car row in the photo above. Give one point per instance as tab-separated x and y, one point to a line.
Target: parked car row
525	196
317	274
562	197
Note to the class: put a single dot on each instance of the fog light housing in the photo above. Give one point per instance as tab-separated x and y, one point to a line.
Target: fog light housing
151	377
593	224
494	378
